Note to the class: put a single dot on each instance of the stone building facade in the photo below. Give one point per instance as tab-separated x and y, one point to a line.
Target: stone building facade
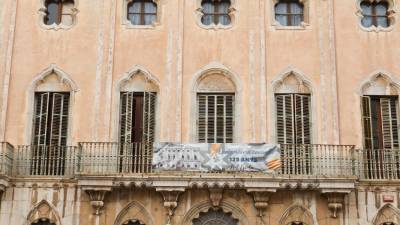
320	77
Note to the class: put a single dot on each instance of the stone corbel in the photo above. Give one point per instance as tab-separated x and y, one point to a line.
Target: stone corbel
96	197
216	195
335	202
261	199
170	197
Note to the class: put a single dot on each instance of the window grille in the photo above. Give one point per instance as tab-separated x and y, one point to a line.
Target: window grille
215	118
142	12
289	12
216	12
59	12
375	14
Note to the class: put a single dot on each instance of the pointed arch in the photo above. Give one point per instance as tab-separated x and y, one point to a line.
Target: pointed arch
386	214
226	206
379	82
51	79
292	81
134	212
139	79
297	213
43	210
204	80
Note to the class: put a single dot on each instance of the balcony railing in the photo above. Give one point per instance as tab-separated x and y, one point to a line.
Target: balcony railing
46	161
318	160
115	158
6	158
379	164
330	161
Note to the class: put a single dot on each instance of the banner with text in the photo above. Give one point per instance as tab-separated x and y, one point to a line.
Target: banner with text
216	157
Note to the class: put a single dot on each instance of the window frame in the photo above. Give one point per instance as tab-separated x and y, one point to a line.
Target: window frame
57	26
305	24
290	14
129	25
232	13
391	16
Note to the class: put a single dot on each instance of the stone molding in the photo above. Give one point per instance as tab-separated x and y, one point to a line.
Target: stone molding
42	13
392	11
297	212
232	11
170	196
369	86
387	213
127	24
335	202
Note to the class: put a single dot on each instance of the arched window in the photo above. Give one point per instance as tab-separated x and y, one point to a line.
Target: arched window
59	12
142	12
43	222
133	222
216	12
289	12
375	14
297	223
215	217
388	223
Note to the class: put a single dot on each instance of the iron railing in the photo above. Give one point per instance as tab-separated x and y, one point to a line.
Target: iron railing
6	158
45	160
318	160
114	158
379	164
108	158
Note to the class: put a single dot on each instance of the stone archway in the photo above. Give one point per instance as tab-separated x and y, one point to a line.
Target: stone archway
199	213
43	214
387	215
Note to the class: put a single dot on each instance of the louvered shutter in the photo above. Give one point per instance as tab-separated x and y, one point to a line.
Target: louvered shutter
41	115
149	110
284	119
215	118
389	123
126	117
367	122
302	119
59	119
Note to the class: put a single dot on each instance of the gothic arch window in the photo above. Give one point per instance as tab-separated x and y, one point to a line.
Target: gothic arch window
216	14
387	215
43	222
381	127
215	217
376	15
215	109
58	14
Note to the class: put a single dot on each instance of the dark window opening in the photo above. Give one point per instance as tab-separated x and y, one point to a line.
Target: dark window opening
216	12
142	12
375	14
43	222
59	11
289	12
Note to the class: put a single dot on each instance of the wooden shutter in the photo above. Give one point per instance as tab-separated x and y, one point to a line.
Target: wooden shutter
367	122
149	119
59	119
126	117
302	119
215	118
389	123
284	119
42	105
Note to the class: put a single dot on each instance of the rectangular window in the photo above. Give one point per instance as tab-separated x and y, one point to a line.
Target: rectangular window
215	118
50	130
137	131
293	124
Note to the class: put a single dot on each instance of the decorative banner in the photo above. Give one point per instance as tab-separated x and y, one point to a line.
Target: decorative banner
216	157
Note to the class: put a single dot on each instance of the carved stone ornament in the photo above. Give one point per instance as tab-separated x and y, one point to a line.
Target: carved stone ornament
216	197
335	202
97	200
170	197
261	199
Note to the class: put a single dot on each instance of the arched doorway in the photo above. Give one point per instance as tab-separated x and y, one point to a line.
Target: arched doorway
215	217
43	222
